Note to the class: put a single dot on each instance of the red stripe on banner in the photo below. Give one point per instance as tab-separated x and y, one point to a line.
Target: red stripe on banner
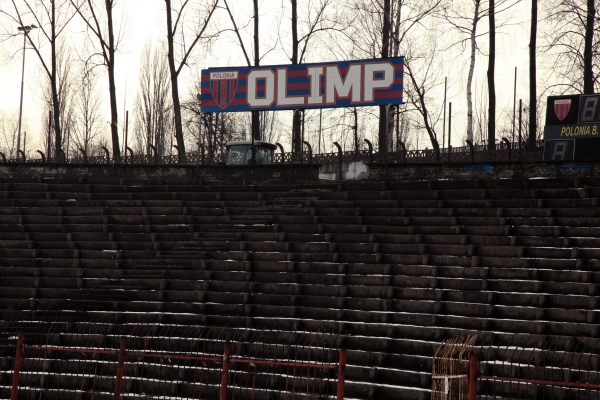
388	94
223	92
298	86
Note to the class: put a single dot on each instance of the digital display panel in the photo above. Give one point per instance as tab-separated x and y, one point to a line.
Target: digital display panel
572	130
572	117
589	108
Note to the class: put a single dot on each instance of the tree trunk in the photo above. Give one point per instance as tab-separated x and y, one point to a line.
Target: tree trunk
491	83
473	41
255	114
114	118
588	62
385	52
174	87
54	86
532	79
296	134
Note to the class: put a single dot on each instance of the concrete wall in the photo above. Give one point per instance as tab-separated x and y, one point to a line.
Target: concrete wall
351	170
496	170
241	174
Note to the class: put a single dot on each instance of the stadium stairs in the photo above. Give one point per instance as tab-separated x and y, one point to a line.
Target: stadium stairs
395	267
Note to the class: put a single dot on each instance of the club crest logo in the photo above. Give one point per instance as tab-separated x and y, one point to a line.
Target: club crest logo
561	108
223	86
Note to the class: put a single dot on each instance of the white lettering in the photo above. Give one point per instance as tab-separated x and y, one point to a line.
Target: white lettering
252	95
327	84
282	97
336	87
223	75
372	83
315	74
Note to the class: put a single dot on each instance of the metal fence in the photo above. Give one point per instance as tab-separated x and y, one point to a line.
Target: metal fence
517	367
450	378
532	367
77	360
505	151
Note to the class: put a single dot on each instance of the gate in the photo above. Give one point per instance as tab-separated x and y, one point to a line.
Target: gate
450	378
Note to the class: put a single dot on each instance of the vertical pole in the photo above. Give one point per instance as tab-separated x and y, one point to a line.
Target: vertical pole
120	369
225	371
514	106
49	135
520	124
449	131
126	129
341	374
444	124
17	371
302	139
320	127
21	101
473	370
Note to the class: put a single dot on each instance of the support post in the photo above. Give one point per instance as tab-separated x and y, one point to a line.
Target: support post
341	374
471	149
505	140
339	167
225	371
105	152
370	150
473	371
17	370
309	151
450	132
120	369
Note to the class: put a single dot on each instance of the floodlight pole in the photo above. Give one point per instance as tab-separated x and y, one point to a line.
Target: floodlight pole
25	29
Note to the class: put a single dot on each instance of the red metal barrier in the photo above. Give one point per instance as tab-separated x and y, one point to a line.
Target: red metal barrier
473	371
120	369
17	369
156	361
225	371
341	374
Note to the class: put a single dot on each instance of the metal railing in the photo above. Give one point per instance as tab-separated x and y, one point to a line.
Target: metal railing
505	151
518	367
149	361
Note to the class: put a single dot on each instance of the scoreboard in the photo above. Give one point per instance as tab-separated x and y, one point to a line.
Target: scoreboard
572	130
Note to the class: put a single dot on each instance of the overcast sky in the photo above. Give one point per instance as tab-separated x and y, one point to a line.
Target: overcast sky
144	19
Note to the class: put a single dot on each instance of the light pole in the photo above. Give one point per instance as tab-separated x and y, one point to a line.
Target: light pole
25	29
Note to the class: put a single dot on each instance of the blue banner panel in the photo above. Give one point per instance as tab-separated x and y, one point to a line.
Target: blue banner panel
290	87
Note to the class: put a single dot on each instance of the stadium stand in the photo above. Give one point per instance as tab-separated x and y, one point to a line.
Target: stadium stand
394	268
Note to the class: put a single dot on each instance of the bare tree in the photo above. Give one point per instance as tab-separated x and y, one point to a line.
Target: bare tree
465	17
588	53
51	18
418	95
153	107
466	23
87	118
315	20
255	122
533	75
8	135
381	28
66	87
573	44
180	56
98	17
490	78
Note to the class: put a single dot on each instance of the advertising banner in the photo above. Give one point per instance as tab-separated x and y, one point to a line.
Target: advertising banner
290	87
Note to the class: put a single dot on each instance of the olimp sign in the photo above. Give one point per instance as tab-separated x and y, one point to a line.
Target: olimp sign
289	87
